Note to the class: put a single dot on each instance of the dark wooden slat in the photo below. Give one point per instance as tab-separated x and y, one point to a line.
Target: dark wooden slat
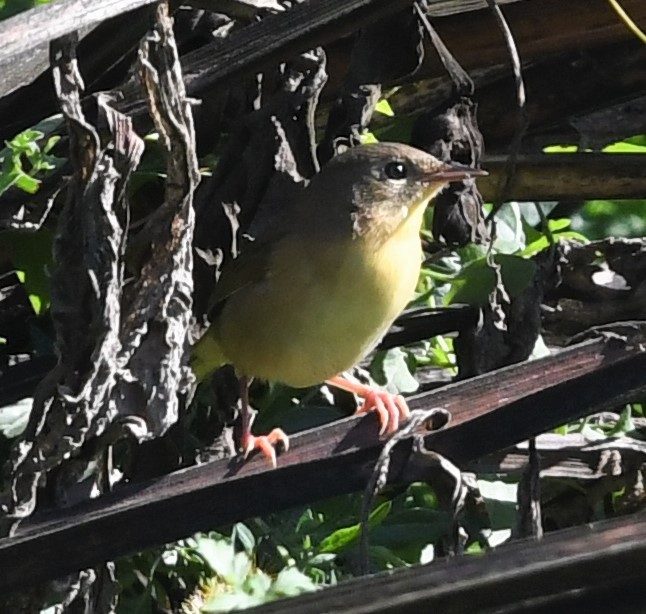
596	568
490	412
424	322
46	23
567	456
279	37
43	24
245	51
580	176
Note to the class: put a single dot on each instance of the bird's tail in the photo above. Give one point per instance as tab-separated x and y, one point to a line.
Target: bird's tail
207	357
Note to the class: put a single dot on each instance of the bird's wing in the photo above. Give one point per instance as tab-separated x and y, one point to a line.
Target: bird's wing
248	268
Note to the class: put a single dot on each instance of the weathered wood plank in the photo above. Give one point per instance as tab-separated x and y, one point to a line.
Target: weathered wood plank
42	24
596	568
580	176
48	22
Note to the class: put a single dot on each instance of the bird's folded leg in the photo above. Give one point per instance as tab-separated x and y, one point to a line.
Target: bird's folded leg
266	444
391	408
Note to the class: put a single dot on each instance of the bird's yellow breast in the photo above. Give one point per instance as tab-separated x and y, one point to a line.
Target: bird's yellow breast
322	305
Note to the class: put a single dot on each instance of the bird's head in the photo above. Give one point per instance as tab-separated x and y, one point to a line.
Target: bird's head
381	185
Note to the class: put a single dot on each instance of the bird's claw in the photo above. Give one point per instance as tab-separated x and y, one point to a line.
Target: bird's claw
266	444
391	409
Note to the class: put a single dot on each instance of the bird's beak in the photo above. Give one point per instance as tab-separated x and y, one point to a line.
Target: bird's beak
455	172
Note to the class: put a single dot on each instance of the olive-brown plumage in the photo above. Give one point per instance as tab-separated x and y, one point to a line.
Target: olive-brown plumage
310	297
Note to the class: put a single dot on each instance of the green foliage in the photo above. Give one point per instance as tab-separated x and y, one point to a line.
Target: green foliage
237	582
478	279
598	219
31	255
214	573
26	156
9	8
392	370
347	536
14	418
153	578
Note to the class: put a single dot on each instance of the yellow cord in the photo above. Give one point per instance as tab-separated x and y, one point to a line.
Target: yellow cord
628	21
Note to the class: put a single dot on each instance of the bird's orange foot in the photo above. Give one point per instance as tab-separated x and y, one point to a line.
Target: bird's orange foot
266	443
391	408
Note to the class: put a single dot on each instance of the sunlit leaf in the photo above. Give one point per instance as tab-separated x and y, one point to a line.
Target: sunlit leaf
348	535
246	538
390	368
561	149
383	107
477	280
31	255
14	418
624	147
290	581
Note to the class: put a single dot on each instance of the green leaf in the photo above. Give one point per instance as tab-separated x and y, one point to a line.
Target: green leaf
390	368
499	537
385	558
537	241
624	425
469	253
342	538
501	501
561	149
383	107
226	602
14	418
257	584
220	555
31	255
368	137
477	280
423	496
510	234
639	139
22	159
398	131
624	147
379	514
26	183
244	535
290	581
598	219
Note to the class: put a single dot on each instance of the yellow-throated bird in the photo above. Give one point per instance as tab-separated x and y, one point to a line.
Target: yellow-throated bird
309	299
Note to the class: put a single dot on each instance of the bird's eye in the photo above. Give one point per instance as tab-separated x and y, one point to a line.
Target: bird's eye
395	170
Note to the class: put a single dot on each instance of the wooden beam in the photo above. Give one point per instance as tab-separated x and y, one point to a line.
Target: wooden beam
595	568
539	27
489	412
567	456
579	176
559	88
47	22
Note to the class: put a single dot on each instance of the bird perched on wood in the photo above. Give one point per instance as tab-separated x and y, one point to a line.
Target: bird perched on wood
311	296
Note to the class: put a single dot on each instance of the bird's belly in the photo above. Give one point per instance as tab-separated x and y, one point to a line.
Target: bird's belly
322	316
